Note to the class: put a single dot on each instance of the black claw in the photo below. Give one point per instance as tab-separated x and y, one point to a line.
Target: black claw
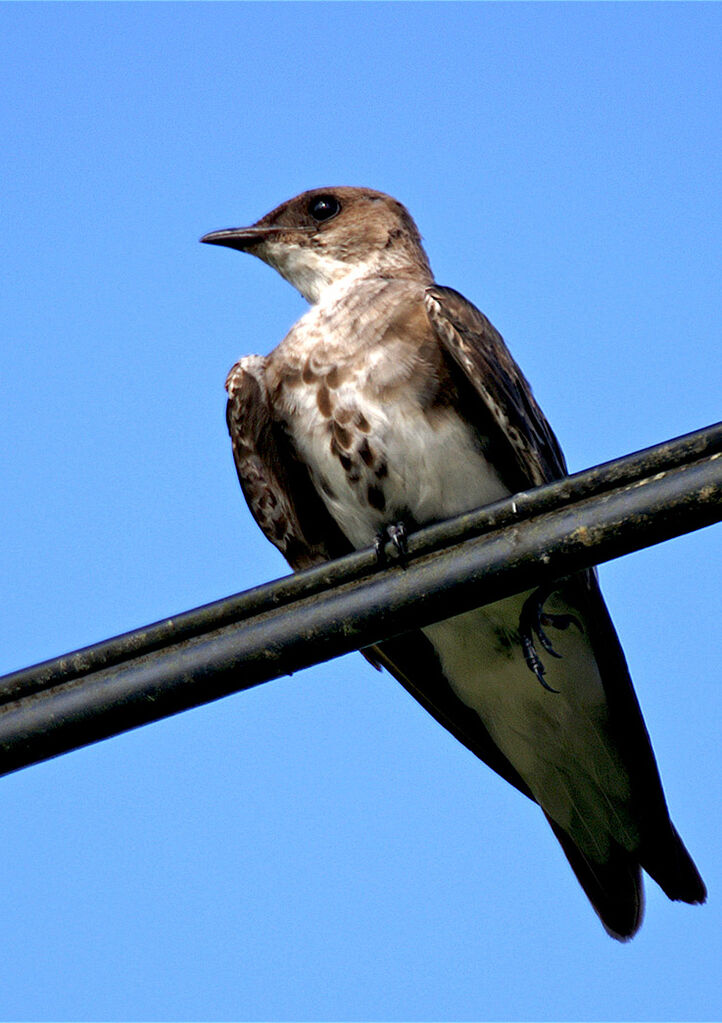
543	638
532	620
397	536
533	663
399	539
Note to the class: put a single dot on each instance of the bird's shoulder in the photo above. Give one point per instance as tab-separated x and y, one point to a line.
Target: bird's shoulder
497	391
274	480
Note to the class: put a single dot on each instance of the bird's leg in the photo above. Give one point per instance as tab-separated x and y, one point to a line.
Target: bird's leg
395	534
533	662
532	620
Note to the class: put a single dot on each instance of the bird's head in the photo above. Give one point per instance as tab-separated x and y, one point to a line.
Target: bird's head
328	234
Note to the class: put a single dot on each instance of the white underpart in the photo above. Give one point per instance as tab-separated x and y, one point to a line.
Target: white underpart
435	468
423	469
556	741
309	270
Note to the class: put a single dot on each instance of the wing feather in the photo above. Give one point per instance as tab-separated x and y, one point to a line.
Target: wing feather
511	417
275	483
499	400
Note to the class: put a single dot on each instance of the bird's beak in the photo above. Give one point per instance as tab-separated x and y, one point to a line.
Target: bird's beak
242	238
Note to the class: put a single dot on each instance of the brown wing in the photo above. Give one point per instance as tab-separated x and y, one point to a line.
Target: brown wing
495	397
275	484
507	414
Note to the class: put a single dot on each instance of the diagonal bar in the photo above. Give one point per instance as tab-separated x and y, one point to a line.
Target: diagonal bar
253	637
628	469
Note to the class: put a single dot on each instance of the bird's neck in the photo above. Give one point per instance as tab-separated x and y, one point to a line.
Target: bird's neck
320	276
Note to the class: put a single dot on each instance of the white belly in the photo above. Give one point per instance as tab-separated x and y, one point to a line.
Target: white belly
377	456
558	742
426	466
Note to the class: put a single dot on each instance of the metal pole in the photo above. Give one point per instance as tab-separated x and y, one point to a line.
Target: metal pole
629	469
295	623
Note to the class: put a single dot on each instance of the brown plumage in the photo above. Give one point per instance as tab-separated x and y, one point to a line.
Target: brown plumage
394	399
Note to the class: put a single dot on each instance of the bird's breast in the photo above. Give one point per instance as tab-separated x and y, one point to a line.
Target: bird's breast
363	417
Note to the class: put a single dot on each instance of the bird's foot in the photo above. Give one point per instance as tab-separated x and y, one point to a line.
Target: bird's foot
532	621
397	536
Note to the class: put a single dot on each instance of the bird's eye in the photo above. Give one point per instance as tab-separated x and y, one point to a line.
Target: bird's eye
323	207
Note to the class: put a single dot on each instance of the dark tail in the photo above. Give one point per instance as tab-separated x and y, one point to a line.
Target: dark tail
615	888
671	866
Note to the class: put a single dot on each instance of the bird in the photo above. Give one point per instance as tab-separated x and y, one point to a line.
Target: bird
391	404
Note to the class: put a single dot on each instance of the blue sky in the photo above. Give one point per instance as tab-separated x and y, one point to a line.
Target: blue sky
319	848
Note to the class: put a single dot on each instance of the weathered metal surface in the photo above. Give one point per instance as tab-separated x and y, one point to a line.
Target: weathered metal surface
276	629
630	468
